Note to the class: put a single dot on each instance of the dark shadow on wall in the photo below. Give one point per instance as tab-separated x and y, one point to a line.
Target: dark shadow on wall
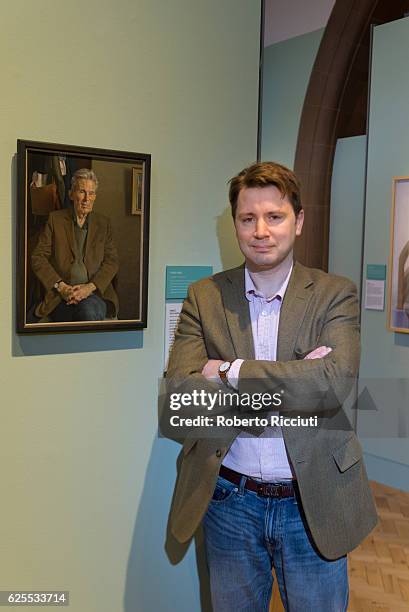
161	572
61	344
230	253
176	551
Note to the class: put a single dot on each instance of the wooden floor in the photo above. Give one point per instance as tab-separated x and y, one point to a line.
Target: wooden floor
379	567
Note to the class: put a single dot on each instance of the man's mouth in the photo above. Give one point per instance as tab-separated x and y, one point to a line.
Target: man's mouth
262	249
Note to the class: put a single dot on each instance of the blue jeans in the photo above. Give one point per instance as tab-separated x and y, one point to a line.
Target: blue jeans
246	534
93	308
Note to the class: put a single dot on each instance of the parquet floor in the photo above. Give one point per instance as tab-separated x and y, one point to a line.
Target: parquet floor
379	567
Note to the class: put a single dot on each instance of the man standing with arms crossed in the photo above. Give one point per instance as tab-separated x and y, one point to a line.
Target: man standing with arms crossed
297	498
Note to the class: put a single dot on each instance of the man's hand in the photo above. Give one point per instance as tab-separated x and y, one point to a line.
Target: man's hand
211	369
319	353
81	292
65	292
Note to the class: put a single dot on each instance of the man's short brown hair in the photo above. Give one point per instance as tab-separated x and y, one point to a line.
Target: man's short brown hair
264	174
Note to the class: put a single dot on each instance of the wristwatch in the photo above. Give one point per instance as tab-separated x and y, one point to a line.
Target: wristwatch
223	370
56	285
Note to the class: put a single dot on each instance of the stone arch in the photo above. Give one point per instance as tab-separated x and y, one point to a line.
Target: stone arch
322	117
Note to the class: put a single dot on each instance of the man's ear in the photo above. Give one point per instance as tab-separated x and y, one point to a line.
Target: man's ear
299	222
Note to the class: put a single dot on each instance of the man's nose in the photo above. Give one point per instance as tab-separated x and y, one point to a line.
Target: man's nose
261	229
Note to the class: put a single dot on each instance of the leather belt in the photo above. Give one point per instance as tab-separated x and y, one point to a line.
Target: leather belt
264	489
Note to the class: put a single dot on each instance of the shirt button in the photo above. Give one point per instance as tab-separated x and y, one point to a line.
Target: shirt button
219	452
264	313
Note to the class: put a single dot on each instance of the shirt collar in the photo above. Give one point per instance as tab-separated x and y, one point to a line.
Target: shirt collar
251	291
74	218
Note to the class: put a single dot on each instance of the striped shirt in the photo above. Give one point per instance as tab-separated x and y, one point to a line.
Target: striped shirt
264	457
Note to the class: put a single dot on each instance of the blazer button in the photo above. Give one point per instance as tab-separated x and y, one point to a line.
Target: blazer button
219	452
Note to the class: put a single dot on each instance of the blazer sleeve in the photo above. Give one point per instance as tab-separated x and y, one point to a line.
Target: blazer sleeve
41	256
315	384
186	361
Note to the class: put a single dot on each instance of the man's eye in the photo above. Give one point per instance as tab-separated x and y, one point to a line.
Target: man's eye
274	217
247	219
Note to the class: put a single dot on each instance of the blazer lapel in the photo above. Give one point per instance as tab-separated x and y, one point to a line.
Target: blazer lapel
237	311
293	311
69	230
92	230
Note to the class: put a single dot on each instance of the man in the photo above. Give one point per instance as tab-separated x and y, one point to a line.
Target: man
293	497
75	258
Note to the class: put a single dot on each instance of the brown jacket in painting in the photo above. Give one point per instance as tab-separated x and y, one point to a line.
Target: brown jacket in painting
54	254
318	309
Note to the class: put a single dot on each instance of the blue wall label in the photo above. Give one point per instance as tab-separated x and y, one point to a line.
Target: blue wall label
376	272
178	279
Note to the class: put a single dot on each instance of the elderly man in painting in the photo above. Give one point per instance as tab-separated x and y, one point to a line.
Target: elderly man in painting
76	259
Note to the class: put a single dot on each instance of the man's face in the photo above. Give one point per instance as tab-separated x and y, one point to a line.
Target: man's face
83	197
266	227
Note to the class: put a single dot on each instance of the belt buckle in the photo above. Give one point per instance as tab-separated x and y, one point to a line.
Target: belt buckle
269	489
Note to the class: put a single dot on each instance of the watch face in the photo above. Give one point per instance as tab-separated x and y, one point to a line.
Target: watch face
224	367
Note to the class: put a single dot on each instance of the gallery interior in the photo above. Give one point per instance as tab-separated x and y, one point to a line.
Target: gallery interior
205	87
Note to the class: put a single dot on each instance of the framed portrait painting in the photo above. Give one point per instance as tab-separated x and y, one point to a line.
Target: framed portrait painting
82	238
398	290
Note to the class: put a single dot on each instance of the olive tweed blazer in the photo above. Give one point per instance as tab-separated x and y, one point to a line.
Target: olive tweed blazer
55	251
318	309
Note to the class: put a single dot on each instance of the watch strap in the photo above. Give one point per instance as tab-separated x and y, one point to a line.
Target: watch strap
223	376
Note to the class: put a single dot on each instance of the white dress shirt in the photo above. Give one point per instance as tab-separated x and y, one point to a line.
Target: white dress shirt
264	457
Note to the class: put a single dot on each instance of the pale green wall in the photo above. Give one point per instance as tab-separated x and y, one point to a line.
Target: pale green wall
346	220
385	355
86	484
286	72
347	208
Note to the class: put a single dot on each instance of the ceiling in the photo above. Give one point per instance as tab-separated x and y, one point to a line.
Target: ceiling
288	18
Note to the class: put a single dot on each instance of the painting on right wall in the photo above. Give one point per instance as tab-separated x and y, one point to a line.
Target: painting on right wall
398	298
